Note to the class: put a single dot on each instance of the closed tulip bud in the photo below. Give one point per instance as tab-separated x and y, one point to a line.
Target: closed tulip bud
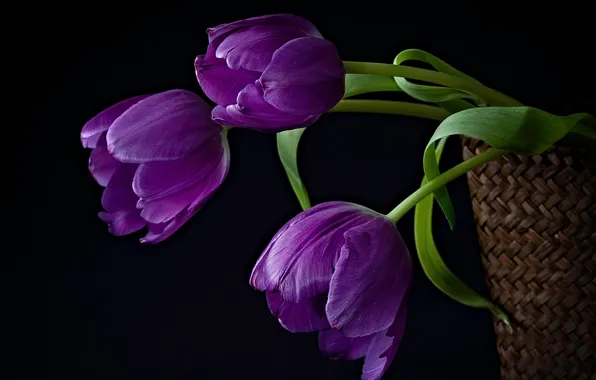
159	157
270	73
343	270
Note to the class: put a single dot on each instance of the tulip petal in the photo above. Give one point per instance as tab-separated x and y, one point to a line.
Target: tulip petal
166	126
94	128
299	260
305	76
337	346
372	276
384	346
216	34
160	178
253	112
252	48
123	222
161	231
119	201
220	115
101	164
305	316
118	195
162	207
220	83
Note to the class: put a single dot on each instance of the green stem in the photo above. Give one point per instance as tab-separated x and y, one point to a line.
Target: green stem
494	97
392	108
490	154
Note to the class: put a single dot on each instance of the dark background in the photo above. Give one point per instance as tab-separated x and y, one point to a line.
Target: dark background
95	306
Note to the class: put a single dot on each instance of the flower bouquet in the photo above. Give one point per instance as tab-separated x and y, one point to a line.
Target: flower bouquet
342	269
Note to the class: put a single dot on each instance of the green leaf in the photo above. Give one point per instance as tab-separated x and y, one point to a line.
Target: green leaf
524	130
583	133
433	94
287	148
357	84
432	264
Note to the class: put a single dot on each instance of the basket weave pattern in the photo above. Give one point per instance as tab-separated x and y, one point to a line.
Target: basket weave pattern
536	222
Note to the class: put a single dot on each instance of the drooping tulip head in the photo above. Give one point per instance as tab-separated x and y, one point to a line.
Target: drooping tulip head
159	157
343	270
270	73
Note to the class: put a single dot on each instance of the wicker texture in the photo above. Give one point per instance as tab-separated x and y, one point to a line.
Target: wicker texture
536	222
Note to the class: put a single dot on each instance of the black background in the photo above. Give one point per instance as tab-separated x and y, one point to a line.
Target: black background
95	306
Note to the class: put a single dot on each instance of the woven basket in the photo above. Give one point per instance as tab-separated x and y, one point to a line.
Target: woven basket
536	222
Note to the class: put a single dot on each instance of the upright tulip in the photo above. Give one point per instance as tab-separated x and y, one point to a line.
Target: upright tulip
343	270
270	73
159	157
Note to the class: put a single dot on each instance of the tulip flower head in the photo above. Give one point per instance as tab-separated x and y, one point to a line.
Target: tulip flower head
270	73
159	157
343	270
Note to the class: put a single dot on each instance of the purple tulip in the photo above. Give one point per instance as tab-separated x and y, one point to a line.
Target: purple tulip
343	270
159	157
270	73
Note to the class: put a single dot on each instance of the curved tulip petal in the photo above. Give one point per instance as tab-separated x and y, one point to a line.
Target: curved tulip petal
94	128
118	195
161	178
160	209
299	260
166	126
220	116
305	76
123	222
305	316
253	112
384	346
216	34
101	164
168	207
159	232
372	276
337	346
252	48
119	201
220	83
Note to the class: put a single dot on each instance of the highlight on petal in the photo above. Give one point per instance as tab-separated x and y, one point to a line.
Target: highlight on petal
305	76
304	316
299	260
119	201
251	48
166	126
220	83
101	164
333	344
384	345
217	33
94	128
253	112
371	278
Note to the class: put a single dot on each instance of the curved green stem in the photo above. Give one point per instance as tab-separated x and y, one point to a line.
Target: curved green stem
401	209
392	108
493	96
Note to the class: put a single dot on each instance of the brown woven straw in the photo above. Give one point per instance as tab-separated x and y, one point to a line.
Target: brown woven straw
536	222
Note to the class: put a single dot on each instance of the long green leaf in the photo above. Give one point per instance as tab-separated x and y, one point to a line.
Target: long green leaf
432	264
287	148
433	94
583	133
524	130
357	84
